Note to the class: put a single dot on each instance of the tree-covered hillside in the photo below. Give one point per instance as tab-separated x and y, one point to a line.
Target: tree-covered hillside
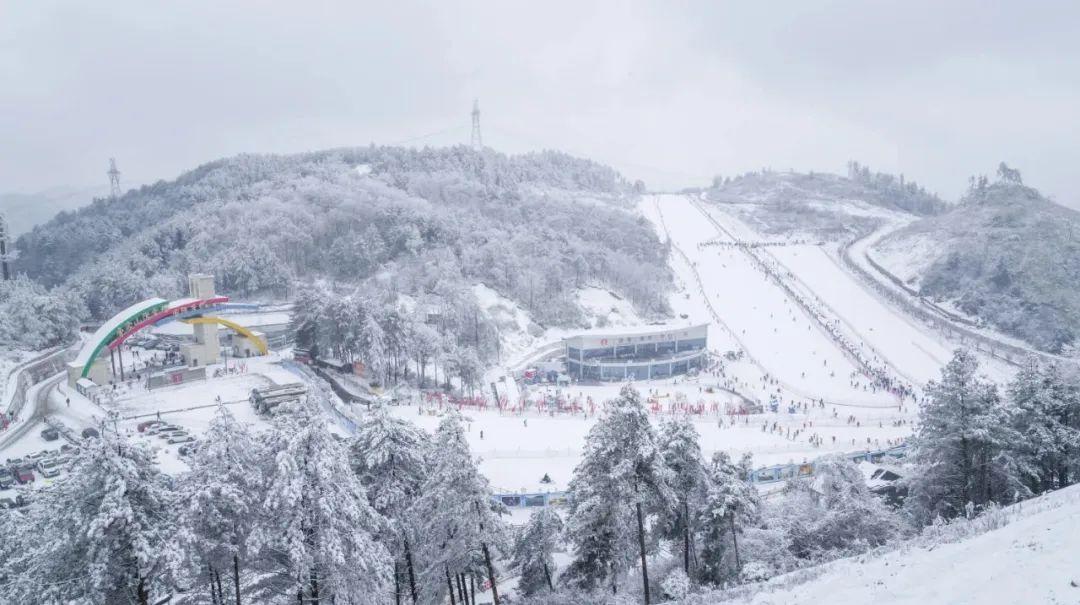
400	221
1007	255
823	205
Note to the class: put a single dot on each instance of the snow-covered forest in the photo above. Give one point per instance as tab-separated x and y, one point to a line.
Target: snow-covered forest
396	514
533	227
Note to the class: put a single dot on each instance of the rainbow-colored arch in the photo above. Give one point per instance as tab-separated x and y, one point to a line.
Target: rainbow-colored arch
138	316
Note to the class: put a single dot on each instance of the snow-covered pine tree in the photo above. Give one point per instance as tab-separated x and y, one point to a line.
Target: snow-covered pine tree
833	512
223	495
1047	413
455	523
731	506
620	481
390	457
533	546
681	453
318	544
102	535
966	450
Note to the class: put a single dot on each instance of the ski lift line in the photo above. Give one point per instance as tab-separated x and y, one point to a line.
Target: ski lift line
735	337
425	136
539	145
858	362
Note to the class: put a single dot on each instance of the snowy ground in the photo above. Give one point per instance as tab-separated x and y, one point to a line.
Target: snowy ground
1030	560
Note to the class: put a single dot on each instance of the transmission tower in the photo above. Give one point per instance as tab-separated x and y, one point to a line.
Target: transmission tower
114	179
4	256
477	142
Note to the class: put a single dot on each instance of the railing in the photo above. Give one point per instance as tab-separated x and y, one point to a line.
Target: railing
1008	353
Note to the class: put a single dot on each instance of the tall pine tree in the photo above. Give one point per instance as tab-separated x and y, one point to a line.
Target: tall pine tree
102	535
966	450
456	524
619	485
390	458
318	544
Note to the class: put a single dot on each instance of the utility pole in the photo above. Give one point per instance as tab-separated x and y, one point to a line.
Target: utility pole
114	179
477	142
5	257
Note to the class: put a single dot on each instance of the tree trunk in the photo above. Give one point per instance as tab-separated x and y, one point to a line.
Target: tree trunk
450	585
735	543
547	576
220	592
472	589
464	598
641	548
412	575
686	538
143	594
236	577
314	586
491	573
213	589
397	583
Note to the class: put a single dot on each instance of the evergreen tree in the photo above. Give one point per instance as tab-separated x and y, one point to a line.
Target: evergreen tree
731	506
966	450
318	543
1047	413
833	512
681	453
389	456
620	481
223	496
102	535
533	547
457	524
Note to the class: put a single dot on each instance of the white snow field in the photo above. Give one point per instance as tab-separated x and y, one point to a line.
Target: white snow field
1032	559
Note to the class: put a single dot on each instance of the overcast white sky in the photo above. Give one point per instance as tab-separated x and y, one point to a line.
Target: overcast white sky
670	92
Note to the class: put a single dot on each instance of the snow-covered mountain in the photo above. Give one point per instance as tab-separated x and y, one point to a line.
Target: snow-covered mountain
1005	254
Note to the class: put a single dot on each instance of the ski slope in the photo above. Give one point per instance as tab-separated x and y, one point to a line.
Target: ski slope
775	332
901	343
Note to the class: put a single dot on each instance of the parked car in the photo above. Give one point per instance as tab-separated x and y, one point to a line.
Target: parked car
18	502
149	423
35	456
23	474
67	448
49	468
184	438
7	478
170	434
50	434
162	428
89	433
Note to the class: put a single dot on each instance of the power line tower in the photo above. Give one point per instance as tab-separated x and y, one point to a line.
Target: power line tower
5	257
477	142
114	179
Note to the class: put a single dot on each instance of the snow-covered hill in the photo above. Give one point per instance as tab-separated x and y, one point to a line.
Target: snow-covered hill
1021	555
1006	255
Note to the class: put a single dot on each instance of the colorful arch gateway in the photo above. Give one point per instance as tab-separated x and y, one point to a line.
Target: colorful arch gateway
141	315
